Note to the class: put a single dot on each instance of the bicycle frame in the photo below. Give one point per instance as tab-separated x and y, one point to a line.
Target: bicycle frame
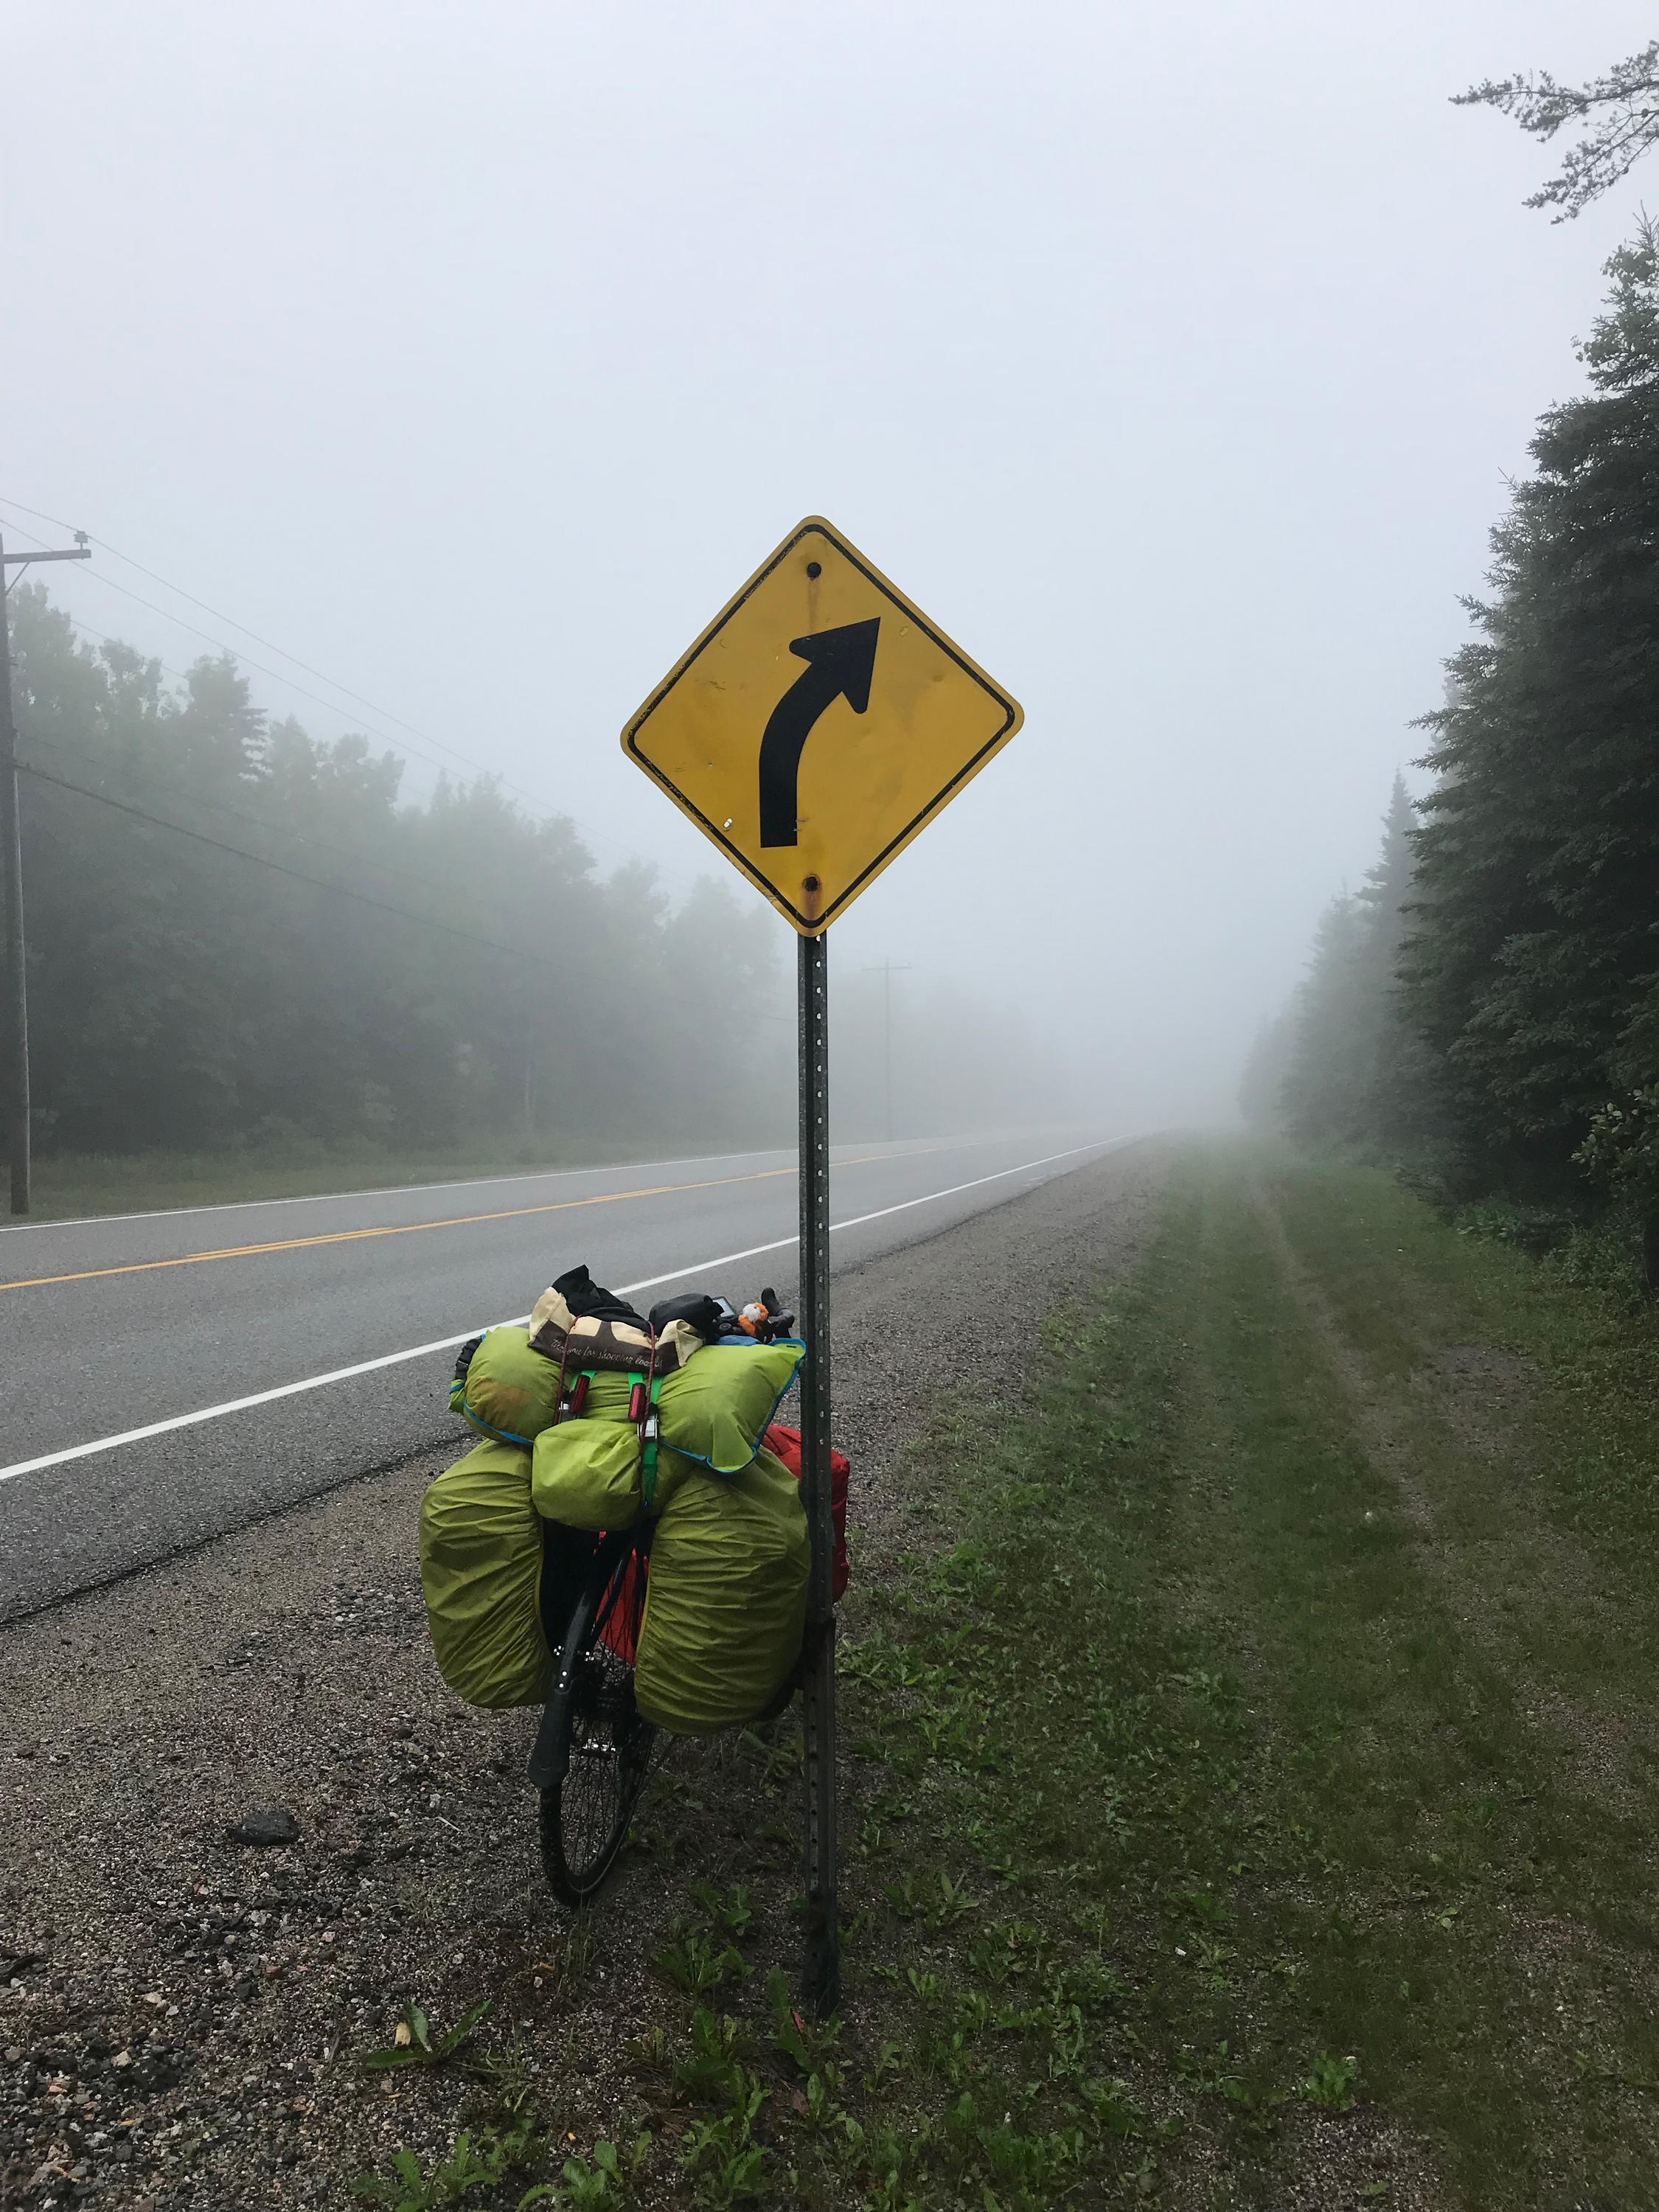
607	1578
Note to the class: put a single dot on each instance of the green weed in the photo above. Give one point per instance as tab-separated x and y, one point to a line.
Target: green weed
729	1911
691	1962
591	2185
413	2045
726	2164
477	2162
1329	2083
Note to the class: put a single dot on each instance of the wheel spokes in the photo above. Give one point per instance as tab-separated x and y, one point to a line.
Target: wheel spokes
607	1745
609	1750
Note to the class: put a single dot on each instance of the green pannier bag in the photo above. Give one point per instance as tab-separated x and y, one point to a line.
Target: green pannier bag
725	1599
481	1570
717	1407
509	1392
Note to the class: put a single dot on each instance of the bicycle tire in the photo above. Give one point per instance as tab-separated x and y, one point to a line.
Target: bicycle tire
599	1748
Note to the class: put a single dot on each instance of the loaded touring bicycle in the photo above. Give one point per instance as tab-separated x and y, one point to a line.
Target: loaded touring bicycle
624	1547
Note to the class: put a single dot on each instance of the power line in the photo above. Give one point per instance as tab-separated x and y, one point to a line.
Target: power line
182	675
218	806
354	858
214	806
329	705
466	760
207	637
21	562
104	636
299	875
90	629
270	644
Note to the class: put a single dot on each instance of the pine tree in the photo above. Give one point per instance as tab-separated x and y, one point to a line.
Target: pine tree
1399	1114
1350	1073
1328	1084
1620	109
1262	1087
1534	952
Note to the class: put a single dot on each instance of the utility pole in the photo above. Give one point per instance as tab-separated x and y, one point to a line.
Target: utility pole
888	969
14	978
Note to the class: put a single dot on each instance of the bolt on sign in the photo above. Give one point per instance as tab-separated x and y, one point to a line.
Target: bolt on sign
819	724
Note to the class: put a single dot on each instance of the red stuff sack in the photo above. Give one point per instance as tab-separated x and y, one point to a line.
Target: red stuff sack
785	1444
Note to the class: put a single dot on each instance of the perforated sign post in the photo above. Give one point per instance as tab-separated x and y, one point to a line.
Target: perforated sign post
819	724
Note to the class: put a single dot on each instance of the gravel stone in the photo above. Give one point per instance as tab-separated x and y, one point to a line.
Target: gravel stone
266	1824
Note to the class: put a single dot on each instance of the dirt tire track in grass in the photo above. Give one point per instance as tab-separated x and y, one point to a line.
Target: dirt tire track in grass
1477	1581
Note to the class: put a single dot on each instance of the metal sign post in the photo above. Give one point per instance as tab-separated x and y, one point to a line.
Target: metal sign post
816	727
818	1674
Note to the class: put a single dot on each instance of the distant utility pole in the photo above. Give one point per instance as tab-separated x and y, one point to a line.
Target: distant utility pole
14	980
888	969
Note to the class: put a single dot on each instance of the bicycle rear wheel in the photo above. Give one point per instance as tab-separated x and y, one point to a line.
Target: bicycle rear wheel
597	1747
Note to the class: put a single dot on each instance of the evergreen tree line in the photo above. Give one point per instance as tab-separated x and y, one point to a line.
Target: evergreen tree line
320	962
1487	1005
423	976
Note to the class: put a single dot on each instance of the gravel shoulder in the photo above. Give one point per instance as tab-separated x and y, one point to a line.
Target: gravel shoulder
182	2014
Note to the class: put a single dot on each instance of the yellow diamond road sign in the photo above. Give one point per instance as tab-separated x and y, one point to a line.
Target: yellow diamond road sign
819	724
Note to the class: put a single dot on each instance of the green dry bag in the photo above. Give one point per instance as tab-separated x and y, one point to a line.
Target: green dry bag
509	1392
481	1569
717	1407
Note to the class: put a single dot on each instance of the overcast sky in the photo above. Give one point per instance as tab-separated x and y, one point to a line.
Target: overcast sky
1172	356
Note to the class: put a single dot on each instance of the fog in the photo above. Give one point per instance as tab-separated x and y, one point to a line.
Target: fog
1173	360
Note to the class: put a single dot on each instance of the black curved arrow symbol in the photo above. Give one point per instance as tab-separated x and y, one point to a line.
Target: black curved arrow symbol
840	665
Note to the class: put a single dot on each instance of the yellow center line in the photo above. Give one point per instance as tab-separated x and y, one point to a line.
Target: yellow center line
398	1229
415	1228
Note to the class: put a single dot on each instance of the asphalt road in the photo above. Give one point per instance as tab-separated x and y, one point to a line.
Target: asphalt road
167	1377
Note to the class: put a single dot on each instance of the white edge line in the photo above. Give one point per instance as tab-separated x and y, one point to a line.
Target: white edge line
448	1343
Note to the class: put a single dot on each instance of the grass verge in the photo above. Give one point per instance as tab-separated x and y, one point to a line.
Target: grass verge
1251	1796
